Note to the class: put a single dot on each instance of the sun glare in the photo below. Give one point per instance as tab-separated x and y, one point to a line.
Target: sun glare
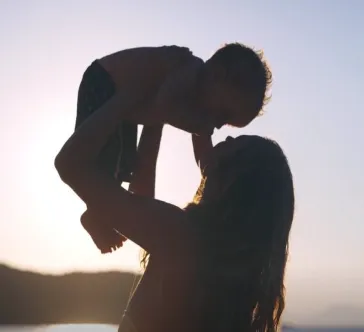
56	210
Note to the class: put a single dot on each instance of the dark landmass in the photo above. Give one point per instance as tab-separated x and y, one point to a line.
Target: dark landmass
28	298
341	315
32	298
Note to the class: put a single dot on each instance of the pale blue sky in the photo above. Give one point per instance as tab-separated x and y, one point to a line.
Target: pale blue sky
316	51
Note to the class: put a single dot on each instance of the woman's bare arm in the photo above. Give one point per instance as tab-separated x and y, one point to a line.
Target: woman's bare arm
156	226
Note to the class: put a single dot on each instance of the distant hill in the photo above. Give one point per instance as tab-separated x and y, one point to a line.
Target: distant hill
341	315
32	298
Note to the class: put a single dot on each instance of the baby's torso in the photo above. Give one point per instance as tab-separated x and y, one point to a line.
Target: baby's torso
145	66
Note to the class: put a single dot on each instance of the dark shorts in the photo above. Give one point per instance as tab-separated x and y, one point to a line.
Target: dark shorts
119	153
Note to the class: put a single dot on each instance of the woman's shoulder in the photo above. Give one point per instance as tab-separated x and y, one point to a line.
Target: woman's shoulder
185	242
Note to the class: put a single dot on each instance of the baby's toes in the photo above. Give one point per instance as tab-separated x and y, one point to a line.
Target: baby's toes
111	241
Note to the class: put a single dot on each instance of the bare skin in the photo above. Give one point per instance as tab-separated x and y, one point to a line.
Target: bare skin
142	183
162	300
167	79
197	95
167	75
150	65
144	220
158	227
202	147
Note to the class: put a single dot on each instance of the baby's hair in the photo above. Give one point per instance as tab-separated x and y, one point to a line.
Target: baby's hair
247	69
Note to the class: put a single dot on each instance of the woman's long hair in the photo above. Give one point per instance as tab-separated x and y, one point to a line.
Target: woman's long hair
244	241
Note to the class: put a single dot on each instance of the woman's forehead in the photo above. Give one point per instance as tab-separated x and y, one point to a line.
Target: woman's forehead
241	142
230	145
248	140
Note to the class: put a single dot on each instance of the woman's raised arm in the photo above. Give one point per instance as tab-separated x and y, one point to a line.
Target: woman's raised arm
156	226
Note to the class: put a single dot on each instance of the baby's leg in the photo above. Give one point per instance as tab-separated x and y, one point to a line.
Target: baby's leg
96	88
128	135
116	157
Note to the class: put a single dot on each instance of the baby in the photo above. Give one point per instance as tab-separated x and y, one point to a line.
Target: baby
229	88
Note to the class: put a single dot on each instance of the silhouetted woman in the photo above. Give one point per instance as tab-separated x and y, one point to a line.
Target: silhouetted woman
217	265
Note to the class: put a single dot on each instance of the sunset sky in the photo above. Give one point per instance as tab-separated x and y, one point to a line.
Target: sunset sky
316	51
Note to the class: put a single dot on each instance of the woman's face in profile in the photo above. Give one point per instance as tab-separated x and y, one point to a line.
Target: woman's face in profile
224	152
222	167
230	146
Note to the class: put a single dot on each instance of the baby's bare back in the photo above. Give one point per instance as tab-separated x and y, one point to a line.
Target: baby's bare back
147	67
167	75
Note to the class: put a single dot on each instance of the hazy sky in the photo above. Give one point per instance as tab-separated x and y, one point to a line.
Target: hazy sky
316	51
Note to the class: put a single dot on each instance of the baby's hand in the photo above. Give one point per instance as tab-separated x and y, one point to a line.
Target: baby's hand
105	238
202	149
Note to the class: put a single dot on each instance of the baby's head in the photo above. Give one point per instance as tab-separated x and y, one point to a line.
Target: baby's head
235	84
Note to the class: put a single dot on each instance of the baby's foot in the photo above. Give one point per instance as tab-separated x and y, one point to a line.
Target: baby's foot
106	239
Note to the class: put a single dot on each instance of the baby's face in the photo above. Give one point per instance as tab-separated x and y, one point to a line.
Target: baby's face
225	103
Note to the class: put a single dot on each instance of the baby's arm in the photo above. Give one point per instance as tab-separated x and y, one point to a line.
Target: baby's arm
143	178
202	147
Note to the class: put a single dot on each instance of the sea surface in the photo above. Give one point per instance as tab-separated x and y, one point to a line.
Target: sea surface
61	328
113	328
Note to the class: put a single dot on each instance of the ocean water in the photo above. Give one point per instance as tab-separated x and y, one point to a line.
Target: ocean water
113	328
61	328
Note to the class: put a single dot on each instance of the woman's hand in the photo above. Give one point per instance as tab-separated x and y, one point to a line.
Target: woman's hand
158	227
